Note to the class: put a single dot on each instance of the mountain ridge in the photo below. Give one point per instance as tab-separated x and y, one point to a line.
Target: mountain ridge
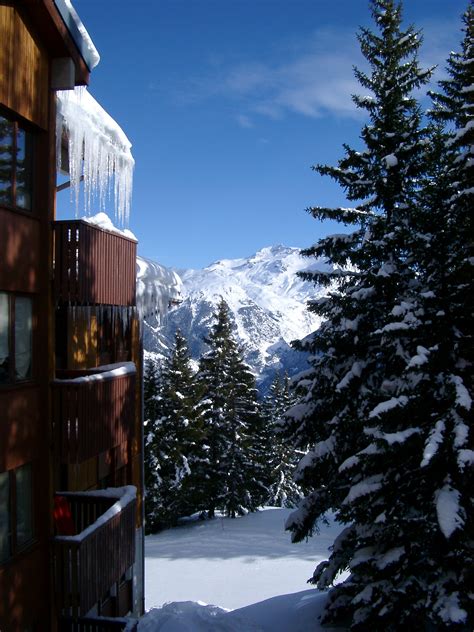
267	302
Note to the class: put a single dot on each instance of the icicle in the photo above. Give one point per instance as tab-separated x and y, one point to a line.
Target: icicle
98	150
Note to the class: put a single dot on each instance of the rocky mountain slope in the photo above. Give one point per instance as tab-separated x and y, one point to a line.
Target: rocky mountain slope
267	302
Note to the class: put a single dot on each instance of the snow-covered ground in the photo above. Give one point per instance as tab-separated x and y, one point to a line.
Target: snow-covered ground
247	570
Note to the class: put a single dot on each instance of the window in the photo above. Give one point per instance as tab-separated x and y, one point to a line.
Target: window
16	338
24	505
16	154
4	516
16	510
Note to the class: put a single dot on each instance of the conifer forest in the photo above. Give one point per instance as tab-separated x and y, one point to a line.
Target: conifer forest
378	427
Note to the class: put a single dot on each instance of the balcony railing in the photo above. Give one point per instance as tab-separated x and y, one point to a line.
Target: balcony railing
93	266
88	564
98	624
93	411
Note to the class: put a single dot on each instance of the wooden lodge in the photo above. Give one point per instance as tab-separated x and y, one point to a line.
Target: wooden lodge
71	536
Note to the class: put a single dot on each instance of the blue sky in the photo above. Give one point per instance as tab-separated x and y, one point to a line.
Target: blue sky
228	103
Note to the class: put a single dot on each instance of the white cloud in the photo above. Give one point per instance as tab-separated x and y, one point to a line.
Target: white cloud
439	39
314	81
244	121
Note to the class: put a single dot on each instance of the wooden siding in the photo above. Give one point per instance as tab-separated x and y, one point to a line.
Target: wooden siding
91	336
81	344
20	251
93	266
85	569
23	602
92	417
24	68
20	426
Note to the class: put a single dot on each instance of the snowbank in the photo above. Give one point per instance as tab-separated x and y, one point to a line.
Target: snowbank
240	564
298	612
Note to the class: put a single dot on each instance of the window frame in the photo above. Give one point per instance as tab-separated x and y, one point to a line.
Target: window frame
12	380
13	547
25	127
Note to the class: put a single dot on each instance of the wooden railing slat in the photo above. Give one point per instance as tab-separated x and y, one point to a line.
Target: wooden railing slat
85	570
92	417
93	266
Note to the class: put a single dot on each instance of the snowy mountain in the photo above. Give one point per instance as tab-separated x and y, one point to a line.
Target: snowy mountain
267	303
158	289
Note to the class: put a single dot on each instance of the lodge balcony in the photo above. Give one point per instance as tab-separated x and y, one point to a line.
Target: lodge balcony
98	624
92	563
93	410
93	266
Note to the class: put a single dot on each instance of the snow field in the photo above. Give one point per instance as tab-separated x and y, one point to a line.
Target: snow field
237	565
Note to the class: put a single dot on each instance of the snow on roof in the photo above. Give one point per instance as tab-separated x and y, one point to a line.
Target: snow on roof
99	151
78	32
102	220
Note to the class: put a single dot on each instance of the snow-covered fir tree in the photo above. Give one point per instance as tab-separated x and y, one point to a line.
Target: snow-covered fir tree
278	454
375	401
443	367
453	179
228	411
173	440
151	465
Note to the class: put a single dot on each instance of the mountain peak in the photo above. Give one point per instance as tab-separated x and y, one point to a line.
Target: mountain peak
267	302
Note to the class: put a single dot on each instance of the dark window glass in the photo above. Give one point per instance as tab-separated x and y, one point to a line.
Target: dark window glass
23	337
4	338
16	338
6	161
15	165
24	505
4	516
16	510
23	169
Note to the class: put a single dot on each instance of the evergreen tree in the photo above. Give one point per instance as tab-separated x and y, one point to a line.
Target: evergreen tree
152	477
450	191
369	407
228	410
174	444
279	456
442	369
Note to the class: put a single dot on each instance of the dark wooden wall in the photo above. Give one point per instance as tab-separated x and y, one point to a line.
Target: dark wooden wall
25	267
24	68
19	251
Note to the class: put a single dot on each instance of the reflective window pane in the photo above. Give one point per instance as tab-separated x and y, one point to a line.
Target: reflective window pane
24	505
6	161
23	337
4	338
23	170
4	516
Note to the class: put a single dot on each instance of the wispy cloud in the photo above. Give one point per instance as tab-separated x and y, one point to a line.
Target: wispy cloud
313	81
244	121
439	38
